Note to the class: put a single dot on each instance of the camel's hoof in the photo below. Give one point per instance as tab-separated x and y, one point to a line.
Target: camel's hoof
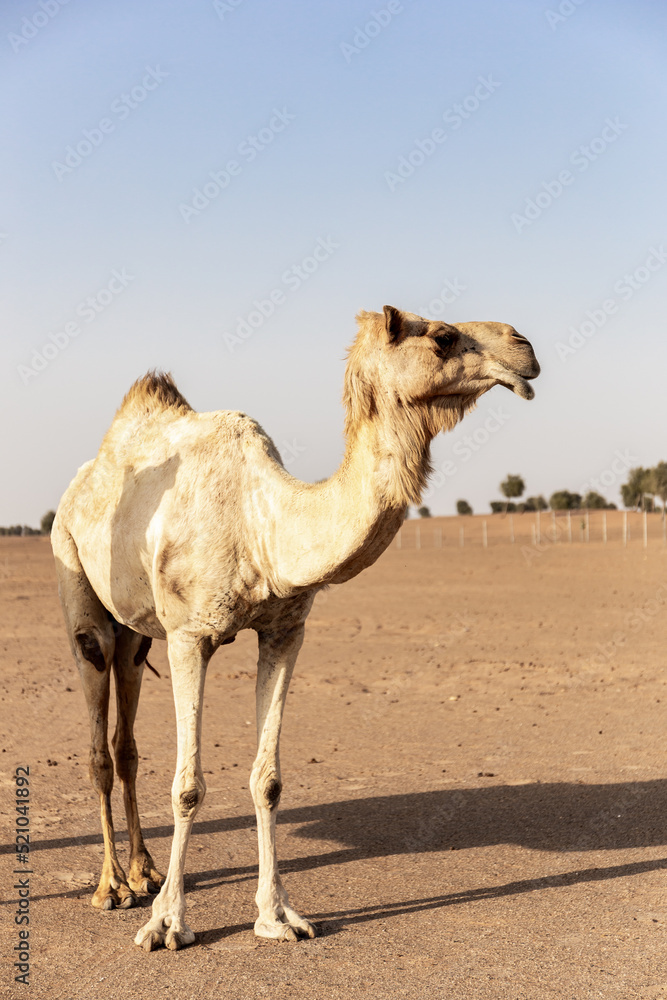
279	929
151	941
121	898
179	939
146	885
164	931
146	880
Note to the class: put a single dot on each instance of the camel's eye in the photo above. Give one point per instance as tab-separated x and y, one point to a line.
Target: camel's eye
444	342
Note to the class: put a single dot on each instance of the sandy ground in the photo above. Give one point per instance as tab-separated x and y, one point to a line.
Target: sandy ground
475	796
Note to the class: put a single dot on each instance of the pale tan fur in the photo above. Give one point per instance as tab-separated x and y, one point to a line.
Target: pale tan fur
186	527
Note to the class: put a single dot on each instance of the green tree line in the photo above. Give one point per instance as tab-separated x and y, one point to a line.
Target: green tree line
25	529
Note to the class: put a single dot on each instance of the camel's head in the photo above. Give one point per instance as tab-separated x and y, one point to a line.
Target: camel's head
402	358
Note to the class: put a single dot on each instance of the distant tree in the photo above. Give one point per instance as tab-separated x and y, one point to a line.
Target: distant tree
47	522
594	501
534	503
463	507
564	500
659	483
512	487
639	482
423	512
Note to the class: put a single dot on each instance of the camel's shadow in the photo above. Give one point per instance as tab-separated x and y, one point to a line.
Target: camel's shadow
559	817
547	817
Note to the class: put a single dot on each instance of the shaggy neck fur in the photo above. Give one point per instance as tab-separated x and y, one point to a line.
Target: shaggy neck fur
399	438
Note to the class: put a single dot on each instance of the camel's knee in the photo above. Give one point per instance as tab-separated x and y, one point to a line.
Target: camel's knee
127	758
188	795
100	770
266	789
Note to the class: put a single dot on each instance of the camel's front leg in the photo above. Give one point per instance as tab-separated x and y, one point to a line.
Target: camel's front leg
277	656
188	671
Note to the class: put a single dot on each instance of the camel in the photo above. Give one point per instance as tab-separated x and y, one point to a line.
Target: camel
187	527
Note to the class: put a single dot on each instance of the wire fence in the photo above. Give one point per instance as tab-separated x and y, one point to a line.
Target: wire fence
576	527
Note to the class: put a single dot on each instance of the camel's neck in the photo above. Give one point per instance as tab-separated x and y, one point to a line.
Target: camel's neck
330	531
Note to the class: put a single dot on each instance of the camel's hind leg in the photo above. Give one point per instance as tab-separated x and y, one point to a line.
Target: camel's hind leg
92	640
128	665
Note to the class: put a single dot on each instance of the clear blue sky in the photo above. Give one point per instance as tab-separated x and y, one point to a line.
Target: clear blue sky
116	113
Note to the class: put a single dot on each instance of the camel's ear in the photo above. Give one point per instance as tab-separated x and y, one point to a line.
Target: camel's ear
393	321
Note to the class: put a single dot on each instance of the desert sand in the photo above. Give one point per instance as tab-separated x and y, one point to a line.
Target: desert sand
474	769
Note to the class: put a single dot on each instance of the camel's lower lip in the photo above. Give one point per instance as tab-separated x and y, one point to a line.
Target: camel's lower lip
519	385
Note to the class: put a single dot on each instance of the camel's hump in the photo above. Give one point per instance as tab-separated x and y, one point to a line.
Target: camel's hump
155	391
